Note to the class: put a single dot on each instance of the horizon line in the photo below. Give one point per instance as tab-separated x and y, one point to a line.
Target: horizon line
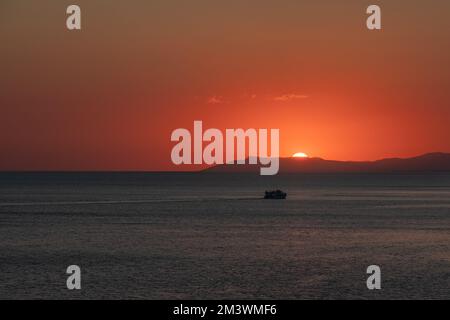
205	169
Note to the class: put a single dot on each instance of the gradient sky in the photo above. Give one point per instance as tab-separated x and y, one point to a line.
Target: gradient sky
109	96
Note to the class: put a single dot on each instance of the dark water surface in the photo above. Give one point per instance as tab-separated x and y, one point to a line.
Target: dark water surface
210	236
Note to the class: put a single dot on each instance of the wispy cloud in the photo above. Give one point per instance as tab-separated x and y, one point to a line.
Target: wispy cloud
215	100
290	97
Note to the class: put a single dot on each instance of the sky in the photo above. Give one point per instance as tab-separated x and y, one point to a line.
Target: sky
109	96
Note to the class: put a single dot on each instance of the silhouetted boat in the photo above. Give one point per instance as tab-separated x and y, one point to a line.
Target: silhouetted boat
277	194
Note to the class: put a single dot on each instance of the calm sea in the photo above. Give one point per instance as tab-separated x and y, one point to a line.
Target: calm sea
211	236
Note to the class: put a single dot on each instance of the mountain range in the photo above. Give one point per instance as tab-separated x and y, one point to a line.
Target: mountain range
424	163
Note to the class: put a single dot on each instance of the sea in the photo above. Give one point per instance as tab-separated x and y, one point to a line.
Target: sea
213	236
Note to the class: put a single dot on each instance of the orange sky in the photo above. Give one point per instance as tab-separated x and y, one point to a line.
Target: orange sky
108	97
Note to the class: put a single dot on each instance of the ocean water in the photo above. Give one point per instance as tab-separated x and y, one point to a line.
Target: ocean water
211	236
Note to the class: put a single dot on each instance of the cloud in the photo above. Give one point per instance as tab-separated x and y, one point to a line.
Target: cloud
215	100
290	97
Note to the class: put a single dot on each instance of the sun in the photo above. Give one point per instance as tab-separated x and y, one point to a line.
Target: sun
300	155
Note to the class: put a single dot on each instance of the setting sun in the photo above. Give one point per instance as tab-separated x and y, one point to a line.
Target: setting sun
300	155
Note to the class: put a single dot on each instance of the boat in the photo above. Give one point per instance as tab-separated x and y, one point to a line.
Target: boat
277	194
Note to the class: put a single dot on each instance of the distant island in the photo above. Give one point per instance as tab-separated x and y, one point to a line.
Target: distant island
431	162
